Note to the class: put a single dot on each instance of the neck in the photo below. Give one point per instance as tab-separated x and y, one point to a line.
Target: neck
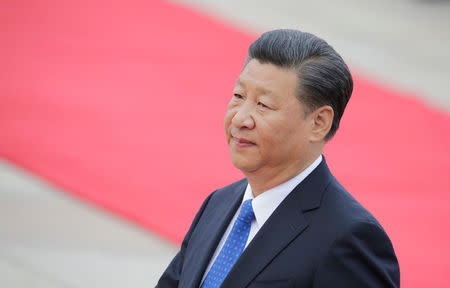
264	180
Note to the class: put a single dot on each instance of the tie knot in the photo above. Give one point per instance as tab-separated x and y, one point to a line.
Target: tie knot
246	213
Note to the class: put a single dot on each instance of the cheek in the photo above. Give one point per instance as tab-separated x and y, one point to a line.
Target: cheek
277	135
227	119
270	136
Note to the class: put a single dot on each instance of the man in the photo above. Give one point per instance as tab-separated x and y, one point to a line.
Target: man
289	223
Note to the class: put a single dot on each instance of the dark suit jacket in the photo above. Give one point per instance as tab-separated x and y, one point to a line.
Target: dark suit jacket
319	236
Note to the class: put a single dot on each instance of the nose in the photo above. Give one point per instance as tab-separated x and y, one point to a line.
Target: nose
243	117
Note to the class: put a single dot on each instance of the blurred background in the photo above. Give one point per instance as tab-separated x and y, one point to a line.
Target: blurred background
111	128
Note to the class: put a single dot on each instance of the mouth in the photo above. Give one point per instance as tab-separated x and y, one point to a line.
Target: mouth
242	142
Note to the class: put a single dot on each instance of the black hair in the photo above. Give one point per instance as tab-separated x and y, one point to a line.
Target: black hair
324	78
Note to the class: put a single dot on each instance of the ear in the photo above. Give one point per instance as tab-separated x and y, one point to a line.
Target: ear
321	121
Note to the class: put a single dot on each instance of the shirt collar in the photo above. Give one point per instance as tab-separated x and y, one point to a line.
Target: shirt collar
265	203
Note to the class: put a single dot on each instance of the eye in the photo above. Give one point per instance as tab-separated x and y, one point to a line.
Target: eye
237	96
260	104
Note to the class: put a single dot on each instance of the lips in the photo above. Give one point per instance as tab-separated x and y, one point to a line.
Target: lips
242	142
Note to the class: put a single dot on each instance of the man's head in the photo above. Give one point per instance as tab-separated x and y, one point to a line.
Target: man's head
323	77
287	102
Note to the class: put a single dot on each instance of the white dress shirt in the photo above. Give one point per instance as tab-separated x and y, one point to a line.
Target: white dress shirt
263	206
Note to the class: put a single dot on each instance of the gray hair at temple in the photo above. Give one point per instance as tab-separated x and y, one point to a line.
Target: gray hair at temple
324	77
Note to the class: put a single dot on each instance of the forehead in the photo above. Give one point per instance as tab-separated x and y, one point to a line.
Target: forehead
267	77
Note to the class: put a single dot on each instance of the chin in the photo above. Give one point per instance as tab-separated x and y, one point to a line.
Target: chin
243	164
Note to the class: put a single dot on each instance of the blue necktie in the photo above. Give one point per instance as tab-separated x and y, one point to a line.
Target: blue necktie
233	247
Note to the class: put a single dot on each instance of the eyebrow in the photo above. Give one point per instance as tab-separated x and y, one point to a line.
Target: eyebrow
259	89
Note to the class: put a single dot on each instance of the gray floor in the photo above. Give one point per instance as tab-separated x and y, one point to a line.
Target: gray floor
49	239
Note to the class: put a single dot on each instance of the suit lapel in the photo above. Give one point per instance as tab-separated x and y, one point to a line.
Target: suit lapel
208	233
270	240
285	224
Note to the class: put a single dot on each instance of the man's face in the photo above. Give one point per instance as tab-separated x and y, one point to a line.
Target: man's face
265	124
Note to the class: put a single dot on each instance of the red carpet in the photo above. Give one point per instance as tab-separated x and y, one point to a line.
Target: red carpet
121	103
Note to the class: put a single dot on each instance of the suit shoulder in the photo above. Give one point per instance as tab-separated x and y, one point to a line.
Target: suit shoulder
356	243
343	208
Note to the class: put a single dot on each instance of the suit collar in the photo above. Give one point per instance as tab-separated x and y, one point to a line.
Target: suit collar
311	189
283	226
266	203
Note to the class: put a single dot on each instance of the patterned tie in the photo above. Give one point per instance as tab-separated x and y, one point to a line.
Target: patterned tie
233	247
